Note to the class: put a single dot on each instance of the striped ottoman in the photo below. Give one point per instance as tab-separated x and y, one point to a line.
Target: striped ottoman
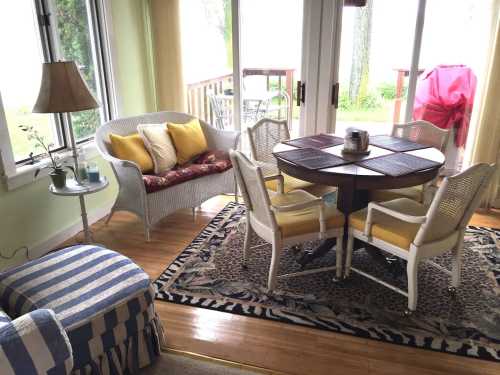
103	300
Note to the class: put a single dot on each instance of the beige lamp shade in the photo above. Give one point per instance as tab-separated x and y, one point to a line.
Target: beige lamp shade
63	89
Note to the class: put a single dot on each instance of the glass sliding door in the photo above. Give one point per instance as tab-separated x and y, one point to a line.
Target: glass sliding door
207	60
378	48
271	58
455	47
251	75
375	56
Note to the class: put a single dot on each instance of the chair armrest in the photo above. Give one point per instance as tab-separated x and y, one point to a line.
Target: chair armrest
281	181
128	173
36	343
299	206
373	207
221	139
318	202
429	192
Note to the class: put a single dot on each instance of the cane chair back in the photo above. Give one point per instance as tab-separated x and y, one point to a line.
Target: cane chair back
251	182
263	136
455	202
422	132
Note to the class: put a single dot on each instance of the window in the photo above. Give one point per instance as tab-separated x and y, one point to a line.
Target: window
49	30
20	75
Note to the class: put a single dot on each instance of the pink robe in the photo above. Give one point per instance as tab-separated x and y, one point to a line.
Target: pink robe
444	97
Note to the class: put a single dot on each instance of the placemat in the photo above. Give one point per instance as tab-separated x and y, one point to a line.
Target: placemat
316	141
311	158
395	144
398	164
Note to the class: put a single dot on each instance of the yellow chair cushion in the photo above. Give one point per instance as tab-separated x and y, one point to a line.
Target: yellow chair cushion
291	183
389	229
415	192
295	223
189	140
132	148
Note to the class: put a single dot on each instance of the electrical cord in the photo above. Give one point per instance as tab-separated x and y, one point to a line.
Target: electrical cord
7	257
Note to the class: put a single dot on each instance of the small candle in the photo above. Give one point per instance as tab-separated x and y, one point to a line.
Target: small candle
93	173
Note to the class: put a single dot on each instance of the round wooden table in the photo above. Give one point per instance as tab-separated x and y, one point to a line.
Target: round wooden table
354	182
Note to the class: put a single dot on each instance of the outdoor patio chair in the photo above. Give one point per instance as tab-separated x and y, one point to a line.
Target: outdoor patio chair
221	107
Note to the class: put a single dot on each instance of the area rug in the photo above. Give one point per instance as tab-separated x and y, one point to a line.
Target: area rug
208	274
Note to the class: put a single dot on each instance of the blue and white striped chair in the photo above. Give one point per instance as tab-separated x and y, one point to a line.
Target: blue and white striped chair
34	343
95	300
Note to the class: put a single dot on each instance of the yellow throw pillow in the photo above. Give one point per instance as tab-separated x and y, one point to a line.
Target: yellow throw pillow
131	147
189	140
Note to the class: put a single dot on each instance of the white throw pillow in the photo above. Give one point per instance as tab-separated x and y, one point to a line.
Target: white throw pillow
159	145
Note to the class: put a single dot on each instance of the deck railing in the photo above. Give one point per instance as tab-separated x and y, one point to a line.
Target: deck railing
199	102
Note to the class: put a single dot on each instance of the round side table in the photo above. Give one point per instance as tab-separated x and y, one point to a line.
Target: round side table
73	189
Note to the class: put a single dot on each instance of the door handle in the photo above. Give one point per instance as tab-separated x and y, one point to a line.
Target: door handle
301	92
335	95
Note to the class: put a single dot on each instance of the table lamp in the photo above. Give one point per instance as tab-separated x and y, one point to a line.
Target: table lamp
63	90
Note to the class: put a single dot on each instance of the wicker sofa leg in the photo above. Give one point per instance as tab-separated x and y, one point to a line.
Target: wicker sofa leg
110	215
235	190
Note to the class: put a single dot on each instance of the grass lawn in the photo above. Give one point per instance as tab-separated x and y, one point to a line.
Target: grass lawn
381	114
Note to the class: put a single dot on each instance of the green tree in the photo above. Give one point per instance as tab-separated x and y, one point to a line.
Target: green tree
75	44
358	84
219	13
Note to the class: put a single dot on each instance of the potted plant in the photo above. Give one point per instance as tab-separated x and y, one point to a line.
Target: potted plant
58	173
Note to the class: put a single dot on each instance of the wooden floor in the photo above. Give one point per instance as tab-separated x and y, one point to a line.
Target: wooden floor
282	348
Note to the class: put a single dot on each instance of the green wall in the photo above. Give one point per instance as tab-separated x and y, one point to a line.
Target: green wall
30	215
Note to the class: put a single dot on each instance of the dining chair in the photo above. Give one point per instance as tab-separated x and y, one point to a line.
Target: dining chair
263	136
420	132
415	232
284	219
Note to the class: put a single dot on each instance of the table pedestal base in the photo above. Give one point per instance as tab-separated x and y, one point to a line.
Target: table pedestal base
349	200
308	256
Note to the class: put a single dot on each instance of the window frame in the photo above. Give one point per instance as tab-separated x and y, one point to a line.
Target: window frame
99	48
16	173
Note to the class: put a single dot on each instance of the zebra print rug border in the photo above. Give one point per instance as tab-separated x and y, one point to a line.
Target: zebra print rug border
353	321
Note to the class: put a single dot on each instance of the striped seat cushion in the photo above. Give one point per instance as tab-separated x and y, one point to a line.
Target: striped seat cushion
100	297
4	318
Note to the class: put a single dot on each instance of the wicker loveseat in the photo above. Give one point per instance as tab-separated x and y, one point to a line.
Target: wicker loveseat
153	197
